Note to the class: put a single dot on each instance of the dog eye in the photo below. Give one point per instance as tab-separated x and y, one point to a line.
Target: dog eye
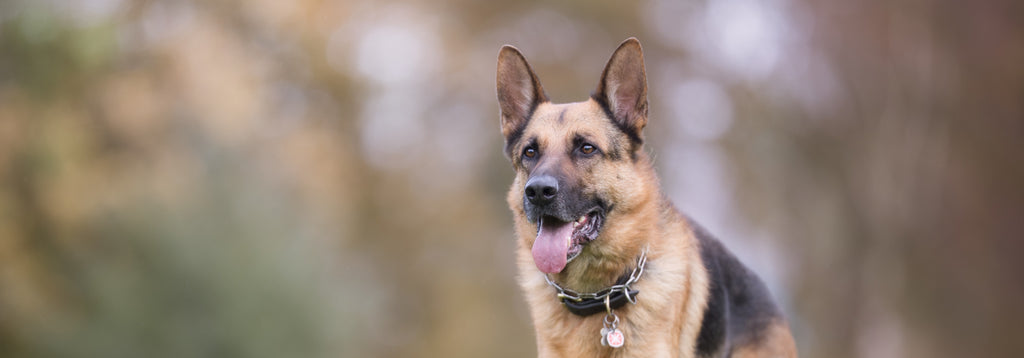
587	149
530	153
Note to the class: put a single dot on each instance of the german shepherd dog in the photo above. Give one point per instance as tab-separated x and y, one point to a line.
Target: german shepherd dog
610	268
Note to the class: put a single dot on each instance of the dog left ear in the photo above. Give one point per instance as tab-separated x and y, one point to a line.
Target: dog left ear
623	89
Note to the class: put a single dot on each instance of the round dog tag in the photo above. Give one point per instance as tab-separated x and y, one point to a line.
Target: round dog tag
615	338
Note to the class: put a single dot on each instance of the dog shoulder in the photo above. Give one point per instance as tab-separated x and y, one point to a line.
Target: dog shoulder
740	316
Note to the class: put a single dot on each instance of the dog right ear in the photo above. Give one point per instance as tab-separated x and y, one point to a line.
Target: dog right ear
519	93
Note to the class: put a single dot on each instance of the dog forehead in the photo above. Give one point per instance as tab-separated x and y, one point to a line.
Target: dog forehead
566	120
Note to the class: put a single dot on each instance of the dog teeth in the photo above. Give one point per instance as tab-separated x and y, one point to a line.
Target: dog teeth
579	221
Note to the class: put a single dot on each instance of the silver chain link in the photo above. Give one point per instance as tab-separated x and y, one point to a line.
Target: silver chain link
599	295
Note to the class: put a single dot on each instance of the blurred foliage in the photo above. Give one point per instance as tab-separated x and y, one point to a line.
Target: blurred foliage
325	178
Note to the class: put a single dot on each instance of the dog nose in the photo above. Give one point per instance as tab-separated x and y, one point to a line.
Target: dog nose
541	190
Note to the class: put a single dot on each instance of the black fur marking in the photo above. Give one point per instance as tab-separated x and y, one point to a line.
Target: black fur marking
517	157
569	204
714	327
740	308
513	137
577	141
634	136
615	152
561	116
510	142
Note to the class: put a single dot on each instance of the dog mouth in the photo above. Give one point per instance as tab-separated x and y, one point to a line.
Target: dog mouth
559	242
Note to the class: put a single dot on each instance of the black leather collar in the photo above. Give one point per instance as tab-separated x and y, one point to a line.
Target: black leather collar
589	306
606	300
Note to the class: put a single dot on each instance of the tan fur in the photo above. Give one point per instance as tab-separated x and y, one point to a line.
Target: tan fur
667	318
675	276
776	343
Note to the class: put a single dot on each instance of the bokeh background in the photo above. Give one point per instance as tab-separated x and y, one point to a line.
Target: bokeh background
325	178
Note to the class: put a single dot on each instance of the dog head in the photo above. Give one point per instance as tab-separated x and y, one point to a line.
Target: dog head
577	163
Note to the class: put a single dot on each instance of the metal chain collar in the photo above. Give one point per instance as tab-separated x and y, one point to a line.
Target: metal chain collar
604	293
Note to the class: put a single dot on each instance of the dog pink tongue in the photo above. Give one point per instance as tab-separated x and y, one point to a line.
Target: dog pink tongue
552	245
